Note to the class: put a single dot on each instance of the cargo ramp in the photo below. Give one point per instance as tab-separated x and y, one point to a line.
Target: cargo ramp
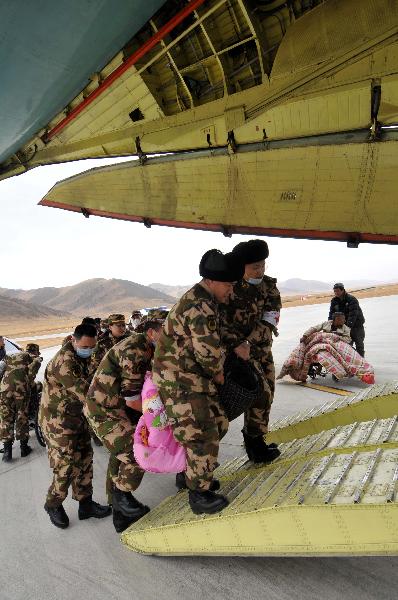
332	493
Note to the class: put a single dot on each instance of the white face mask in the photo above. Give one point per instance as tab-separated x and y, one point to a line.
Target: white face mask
254	281
135	322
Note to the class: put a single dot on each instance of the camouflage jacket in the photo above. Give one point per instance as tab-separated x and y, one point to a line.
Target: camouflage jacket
65	385
188	354
120	374
105	343
34	368
244	317
17	378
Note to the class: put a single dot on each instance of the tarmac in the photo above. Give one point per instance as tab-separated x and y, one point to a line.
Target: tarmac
87	560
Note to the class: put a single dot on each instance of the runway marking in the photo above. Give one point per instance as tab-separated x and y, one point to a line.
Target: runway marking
324	388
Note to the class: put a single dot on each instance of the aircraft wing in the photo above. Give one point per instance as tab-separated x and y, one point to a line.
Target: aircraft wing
270	117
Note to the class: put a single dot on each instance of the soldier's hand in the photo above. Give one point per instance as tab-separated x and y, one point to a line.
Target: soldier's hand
243	350
219	378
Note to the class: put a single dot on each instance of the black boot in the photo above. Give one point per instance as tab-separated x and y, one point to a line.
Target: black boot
7	455
127	505
25	448
258	451
58	516
120	522
181	484
88	508
206	502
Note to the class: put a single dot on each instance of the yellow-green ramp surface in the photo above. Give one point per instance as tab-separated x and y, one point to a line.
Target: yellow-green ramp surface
330	493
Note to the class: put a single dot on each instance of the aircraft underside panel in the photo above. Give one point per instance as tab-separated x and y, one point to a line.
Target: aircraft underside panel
333	493
339	187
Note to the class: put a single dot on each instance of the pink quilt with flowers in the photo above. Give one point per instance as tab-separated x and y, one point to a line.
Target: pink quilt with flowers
328	349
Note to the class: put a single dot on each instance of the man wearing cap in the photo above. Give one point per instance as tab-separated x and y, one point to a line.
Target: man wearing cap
188	365
116	333
349	306
249	321
65	428
15	390
113	408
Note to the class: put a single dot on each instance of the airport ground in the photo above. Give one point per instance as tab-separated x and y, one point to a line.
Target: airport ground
87	560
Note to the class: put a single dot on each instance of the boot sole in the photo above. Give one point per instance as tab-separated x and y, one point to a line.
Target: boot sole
212	511
84	517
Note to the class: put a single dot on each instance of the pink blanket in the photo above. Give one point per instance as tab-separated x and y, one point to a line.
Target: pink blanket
328	349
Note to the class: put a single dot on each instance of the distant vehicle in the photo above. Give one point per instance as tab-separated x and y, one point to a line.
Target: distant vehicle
11	347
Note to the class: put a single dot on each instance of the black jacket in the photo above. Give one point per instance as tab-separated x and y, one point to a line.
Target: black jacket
348	305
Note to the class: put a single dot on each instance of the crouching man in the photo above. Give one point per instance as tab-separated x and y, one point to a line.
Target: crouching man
65	428
188	364
113	407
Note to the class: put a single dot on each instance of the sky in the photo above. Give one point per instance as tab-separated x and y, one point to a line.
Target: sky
42	246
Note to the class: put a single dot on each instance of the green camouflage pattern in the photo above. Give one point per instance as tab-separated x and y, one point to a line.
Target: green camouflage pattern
241	319
15	388
120	375
188	354
199	423
105	342
187	357
64	426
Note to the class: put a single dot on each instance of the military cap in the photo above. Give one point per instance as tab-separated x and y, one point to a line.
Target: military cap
338	286
252	251
338	314
33	348
221	267
136	313
157	314
116	318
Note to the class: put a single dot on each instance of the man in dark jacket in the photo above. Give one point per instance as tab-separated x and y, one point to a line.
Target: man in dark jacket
349	305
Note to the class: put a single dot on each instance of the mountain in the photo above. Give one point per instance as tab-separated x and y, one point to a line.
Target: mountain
12	308
176	291
292	287
94	296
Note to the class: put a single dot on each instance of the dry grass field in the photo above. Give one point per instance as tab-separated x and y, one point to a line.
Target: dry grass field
19	327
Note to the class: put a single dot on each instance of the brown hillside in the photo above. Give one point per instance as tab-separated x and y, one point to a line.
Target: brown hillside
95	296
13	308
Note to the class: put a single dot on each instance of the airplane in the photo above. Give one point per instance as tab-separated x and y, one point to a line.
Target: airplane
265	117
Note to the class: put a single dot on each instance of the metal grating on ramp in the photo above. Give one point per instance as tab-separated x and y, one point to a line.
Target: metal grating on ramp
376	402
332	493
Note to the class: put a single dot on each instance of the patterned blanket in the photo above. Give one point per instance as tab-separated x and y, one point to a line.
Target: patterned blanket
328	349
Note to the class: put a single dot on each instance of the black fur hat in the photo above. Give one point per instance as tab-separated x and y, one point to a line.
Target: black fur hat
221	267
252	251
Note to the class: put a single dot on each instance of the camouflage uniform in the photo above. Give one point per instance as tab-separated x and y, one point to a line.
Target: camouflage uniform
106	341
15	389
187	357
243	319
64	426
120	374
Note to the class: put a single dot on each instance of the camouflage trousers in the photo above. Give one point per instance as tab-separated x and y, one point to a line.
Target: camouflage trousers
256	419
199	423
123	472
13	413
71	459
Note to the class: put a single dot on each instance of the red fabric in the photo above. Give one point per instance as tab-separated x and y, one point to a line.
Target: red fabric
328	349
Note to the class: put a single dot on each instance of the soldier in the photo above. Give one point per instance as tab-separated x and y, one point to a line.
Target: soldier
113	409
116	333
15	390
65	428
188	365
85	321
248	322
135	319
